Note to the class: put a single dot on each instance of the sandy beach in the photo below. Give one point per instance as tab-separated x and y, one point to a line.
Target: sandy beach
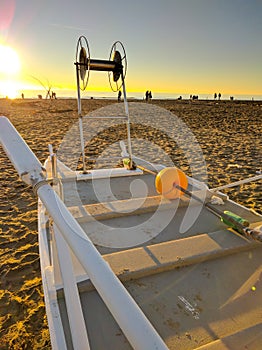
228	132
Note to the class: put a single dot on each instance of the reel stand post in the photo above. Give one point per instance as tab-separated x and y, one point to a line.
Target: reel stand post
116	68
127	122
80	120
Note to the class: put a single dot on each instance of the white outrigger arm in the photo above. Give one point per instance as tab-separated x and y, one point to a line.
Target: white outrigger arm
134	324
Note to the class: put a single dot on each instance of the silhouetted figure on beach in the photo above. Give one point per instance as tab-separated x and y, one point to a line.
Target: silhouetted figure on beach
23	96
48	94
147	93
150	95
215	96
119	95
219	96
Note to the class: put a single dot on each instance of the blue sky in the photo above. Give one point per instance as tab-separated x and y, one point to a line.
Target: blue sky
191	46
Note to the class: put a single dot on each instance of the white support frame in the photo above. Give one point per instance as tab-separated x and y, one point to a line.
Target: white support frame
73	304
80	116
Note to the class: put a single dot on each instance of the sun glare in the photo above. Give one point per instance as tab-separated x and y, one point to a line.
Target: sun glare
9	68
9	89
9	60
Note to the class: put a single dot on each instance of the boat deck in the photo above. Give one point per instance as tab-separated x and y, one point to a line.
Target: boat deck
197	282
190	306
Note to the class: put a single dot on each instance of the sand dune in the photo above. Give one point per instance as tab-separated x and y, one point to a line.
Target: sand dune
229	134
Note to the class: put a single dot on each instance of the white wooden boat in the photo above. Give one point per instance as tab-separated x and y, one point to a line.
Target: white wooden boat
117	272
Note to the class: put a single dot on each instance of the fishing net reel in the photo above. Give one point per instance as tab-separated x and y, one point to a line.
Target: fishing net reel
116	66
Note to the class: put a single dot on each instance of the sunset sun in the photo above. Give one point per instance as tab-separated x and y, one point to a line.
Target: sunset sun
9	60
9	68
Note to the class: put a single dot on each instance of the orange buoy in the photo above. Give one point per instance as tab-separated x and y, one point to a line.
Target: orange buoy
167	179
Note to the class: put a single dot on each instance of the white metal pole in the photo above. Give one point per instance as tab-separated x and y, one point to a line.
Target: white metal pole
128	120
238	183
74	310
81	132
82	142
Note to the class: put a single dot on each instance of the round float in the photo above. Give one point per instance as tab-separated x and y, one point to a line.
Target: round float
167	180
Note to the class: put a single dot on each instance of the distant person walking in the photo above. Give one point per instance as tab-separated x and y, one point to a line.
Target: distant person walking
150	95
147	94
219	96
215	96
119	95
